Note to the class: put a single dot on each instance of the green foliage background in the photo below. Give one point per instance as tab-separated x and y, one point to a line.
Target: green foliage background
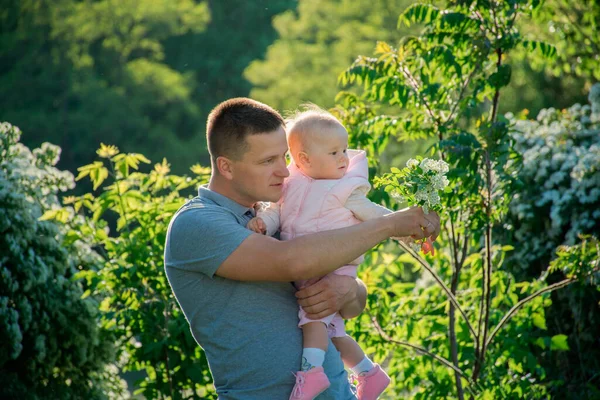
52	347
144	75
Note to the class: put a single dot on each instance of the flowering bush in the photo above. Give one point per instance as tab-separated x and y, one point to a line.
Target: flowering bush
50	344
418	184
560	196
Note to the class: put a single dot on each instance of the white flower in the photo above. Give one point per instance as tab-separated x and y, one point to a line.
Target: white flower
412	163
432	165
594	96
443	167
398	197
426	165
421	195
439	182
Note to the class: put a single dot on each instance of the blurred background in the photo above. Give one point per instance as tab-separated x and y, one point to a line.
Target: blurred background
143	75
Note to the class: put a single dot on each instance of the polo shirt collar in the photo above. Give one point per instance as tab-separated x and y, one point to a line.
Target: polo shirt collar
236	208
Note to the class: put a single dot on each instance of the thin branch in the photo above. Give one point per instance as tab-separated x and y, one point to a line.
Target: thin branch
481	308
451	297
452	324
527	299
415	86
514	18
462	90
464	251
497	94
418	349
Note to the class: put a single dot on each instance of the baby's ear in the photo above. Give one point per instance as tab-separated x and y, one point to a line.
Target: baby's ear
303	158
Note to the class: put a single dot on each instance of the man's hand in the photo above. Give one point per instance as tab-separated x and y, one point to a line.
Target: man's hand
257	225
415	223
329	295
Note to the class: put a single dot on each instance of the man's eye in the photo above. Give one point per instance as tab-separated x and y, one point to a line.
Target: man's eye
269	161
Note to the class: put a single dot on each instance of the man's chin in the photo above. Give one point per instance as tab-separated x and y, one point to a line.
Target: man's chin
275	195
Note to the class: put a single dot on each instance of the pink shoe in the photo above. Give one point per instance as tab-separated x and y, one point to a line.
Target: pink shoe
372	384
309	384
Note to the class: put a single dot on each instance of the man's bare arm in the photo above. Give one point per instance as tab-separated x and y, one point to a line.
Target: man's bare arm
261	258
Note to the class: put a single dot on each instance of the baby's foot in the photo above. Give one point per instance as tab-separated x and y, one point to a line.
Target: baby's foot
372	384
309	384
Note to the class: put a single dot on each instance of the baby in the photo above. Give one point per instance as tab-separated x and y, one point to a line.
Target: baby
326	190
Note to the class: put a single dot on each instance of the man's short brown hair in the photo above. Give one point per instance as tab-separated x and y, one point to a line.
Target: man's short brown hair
232	121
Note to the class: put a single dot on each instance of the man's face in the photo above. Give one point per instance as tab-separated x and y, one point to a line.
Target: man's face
260	173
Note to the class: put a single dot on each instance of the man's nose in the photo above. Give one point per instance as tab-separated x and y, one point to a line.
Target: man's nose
282	170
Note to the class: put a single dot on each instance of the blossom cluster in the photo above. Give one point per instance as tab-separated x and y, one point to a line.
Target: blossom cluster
418	184
422	180
561	173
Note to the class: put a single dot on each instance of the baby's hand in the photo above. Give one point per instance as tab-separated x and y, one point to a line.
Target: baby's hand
257	225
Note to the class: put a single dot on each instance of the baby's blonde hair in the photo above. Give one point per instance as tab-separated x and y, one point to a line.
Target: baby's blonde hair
306	124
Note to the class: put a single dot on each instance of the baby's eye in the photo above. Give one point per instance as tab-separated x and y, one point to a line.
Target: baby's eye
345	150
334	153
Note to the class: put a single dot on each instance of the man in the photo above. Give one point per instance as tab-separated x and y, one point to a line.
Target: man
233	285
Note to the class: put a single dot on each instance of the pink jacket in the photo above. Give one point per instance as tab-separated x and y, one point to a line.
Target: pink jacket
314	205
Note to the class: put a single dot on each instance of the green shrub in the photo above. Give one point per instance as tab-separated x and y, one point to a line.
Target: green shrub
51	345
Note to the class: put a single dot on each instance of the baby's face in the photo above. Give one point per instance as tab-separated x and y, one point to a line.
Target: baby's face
328	155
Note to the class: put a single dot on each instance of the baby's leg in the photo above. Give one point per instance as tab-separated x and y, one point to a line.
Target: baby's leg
311	379
352	355
371	379
350	351
315	342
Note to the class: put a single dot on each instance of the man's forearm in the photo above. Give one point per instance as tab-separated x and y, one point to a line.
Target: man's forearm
320	253
261	258
356	301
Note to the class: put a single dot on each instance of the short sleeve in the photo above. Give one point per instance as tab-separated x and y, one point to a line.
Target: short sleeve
201	239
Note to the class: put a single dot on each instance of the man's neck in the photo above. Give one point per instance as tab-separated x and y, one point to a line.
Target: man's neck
219	185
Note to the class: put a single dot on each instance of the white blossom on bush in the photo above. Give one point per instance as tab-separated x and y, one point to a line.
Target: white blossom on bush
560	198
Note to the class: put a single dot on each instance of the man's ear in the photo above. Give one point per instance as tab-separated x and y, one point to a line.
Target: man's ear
303	159
225	167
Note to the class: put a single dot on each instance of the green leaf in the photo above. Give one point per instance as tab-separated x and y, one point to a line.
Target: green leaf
107	151
87	169
48	215
546	50
559	342
98	176
540	321
418	14
501	77
540	343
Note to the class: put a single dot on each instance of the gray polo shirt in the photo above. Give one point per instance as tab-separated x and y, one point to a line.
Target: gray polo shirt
248	330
